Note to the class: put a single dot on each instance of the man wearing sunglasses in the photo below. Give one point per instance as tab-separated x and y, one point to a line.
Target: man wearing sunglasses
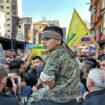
61	72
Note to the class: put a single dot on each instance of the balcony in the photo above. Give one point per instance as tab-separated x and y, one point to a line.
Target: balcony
99	14
92	26
90	8
94	19
103	37
98	36
94	2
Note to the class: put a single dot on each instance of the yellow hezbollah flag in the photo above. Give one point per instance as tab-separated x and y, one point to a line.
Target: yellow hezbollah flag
77	29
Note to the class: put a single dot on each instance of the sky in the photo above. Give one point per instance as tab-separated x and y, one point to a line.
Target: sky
61	10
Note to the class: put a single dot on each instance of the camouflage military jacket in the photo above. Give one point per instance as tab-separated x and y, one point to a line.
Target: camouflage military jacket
67	74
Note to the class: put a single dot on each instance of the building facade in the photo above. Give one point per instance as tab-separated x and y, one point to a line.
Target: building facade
25	30
8	17
17	8
97	9
10	8
2	24
39	26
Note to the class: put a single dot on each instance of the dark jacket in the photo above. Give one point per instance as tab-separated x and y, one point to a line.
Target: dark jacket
95	98
31	77
6	100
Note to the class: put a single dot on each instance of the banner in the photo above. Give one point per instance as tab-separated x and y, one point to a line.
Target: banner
77	29
39	50
36	49
29	46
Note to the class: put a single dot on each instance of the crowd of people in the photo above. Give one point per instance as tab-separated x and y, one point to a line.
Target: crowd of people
61	78
23	72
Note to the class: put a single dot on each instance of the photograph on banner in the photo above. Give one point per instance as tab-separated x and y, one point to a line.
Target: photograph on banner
29	46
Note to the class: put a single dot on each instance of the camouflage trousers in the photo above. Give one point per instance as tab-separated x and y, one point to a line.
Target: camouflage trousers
38	95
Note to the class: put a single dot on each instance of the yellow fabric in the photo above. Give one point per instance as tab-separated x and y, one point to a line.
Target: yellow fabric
38	50
77	29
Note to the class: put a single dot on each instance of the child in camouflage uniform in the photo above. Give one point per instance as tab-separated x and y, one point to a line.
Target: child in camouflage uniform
61	72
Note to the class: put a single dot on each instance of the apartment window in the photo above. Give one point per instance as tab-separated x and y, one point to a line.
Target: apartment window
14	7
8	24
14	13
19	26
96	31
7	1
7	7
8	36
40	37
100	29
1	7
103	4
14	1
93	31
8	30
8	19
8	13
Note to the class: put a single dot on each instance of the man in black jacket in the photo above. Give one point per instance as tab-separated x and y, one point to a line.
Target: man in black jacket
96	87
4	99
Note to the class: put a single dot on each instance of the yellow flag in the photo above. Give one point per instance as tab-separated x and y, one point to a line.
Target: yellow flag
77	29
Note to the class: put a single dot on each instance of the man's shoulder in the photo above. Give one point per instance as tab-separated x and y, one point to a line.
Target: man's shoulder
95	98
5	100
60	51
